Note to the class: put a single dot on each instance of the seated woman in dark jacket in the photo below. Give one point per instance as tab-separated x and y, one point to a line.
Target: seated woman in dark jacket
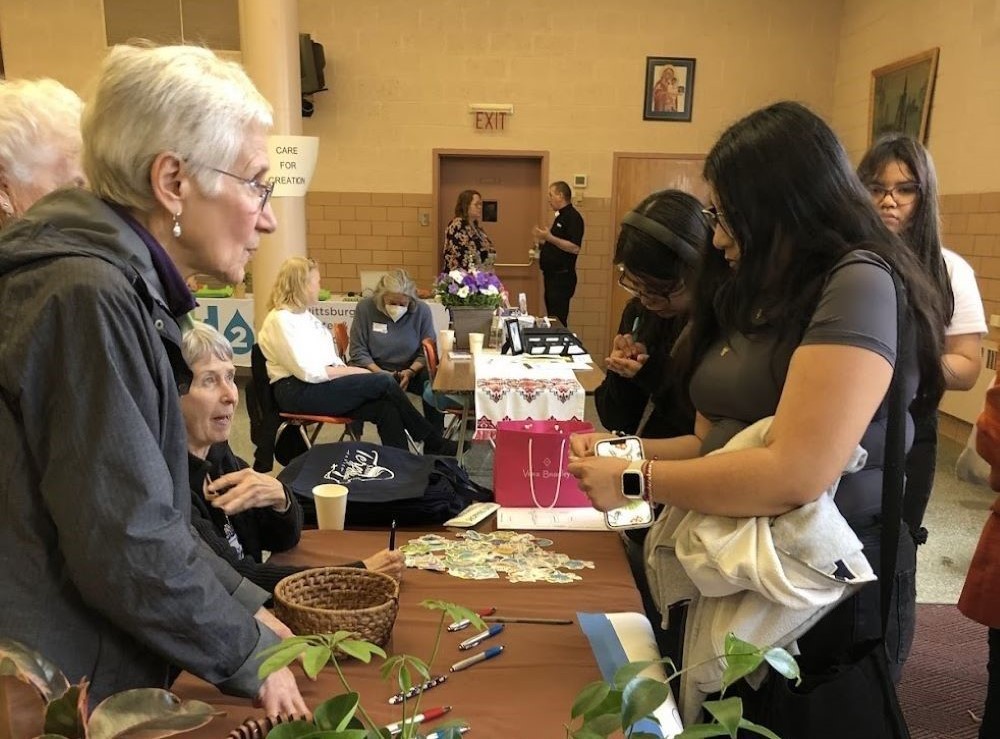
658	251
240	513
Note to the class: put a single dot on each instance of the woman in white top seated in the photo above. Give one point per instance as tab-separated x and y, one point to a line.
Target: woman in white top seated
309	376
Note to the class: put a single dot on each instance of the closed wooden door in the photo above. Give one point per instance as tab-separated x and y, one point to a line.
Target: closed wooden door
512	185
635	177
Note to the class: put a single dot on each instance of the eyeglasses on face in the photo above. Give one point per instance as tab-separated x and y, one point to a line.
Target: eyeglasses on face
260	189
715	219
902	194
663	294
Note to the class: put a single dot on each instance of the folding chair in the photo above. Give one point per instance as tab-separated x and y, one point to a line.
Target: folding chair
309	425
457	413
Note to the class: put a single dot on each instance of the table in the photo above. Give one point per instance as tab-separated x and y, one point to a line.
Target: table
234	318
457	378
525	692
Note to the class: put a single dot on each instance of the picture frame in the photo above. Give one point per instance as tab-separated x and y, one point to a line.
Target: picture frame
515	340
669	89
900	96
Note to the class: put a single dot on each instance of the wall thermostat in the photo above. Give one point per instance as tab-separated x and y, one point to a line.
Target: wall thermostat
579	180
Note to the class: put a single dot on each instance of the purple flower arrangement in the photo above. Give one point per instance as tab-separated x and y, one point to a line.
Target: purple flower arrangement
471	288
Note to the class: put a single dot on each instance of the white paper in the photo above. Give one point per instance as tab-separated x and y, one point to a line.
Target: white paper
292	160
551	519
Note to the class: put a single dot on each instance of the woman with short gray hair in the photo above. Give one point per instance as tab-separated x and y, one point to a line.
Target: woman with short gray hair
386	336
92	288
39	143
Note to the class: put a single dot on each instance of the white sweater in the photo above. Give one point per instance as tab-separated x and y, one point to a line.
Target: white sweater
297	345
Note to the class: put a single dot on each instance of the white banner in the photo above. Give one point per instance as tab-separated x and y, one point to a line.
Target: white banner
293	161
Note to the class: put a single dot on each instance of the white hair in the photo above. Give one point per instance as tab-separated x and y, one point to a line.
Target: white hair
39	119
150	100
202	341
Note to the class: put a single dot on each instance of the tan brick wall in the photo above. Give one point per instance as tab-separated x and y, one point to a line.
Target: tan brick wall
351	231
971	227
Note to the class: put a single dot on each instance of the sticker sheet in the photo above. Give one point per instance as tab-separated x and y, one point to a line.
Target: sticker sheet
475	556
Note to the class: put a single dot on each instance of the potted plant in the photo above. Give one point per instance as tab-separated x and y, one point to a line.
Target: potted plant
343	716
472	296
604	709
149	711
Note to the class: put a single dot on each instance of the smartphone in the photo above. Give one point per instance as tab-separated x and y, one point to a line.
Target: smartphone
637	513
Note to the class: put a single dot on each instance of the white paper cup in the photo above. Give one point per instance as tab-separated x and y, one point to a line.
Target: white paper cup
331	506
446	342
476	342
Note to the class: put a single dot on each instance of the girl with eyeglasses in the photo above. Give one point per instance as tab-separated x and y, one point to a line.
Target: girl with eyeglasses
899	173
802	331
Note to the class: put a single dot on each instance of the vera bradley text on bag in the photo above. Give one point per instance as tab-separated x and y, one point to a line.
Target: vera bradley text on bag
529	469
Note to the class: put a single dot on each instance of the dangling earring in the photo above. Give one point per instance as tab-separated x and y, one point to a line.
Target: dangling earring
176	231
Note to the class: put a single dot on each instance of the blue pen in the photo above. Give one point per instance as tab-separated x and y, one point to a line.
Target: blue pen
437	735
481	657
473	641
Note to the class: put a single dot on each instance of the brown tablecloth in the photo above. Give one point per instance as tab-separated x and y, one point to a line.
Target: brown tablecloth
525	692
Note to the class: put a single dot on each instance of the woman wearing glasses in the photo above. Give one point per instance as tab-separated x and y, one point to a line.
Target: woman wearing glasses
803	329
899	173
657	254
98	566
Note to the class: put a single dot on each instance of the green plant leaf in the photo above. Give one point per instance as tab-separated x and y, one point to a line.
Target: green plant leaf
288	643
757	729
589	697
783	663
281	658
604	724
699	731
389	665
62	715
419	665
585	733
149	710
627	672
728	712
360	649
292	730
336	713
314	660
32	668
742	658
404	678
641	697
454	611
379	733
611	705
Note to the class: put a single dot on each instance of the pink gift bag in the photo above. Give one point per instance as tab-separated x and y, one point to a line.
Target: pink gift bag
529	468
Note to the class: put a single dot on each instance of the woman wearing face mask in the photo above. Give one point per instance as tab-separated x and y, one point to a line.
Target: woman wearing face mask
899	174
386	334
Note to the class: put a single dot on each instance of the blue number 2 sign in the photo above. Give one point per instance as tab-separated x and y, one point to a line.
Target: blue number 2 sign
238	332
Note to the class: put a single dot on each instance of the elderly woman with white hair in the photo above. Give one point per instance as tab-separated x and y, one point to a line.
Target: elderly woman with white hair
99	566
39	143
386	334
237	511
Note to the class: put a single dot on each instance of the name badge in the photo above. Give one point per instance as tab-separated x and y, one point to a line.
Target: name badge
380	328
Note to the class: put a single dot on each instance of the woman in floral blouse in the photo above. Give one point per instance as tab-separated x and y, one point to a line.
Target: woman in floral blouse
466	245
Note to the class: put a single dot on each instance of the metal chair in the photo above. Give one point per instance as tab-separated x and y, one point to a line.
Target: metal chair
456	414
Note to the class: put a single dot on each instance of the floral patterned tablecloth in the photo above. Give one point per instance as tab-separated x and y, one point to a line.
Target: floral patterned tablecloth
523	388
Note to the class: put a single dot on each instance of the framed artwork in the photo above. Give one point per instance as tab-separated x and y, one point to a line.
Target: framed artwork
901	95
669	88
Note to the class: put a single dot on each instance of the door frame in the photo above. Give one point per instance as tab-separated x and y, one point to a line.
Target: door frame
444	154
616	157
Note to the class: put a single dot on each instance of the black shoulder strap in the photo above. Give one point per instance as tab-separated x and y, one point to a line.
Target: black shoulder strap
893	474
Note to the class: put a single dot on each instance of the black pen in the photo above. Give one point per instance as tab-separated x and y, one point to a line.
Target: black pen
392	535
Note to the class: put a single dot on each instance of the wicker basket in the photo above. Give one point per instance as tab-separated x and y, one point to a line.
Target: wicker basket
328	599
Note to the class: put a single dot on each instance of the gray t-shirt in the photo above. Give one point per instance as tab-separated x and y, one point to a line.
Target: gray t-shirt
740	378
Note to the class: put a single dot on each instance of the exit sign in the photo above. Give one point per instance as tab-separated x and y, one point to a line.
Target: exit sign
491	116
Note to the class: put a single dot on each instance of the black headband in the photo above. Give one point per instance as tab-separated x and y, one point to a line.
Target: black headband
687	253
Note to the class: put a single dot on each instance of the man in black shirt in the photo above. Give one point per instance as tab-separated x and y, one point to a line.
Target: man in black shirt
560	244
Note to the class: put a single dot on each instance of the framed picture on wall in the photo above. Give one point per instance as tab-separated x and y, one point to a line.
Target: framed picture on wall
900	99
669	88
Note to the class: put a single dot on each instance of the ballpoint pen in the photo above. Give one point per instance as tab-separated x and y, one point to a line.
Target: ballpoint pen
481	657
527	620
473	641
463	623
417	689
429	715
438	735
392	535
